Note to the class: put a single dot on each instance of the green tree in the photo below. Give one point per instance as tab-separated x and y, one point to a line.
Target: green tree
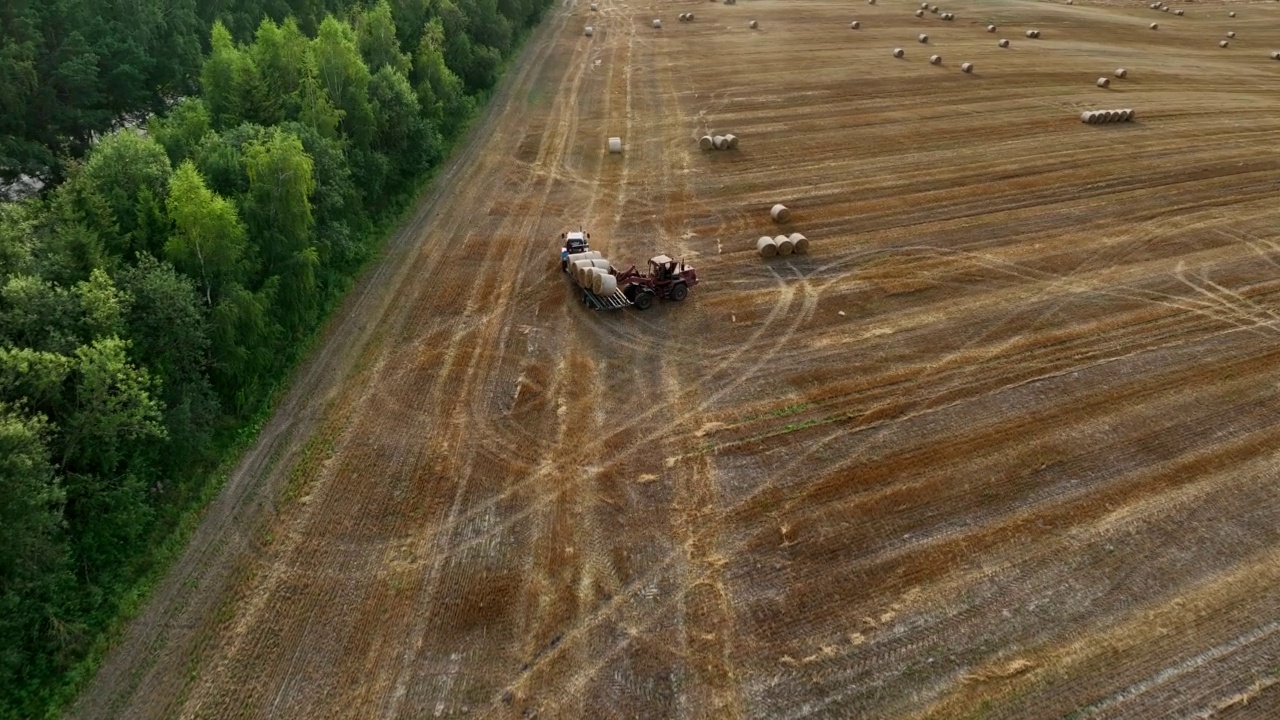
345	78
124	173
102	305
376	36
114	409
282	55
38	314
35	379
180	131
233	86
340	219
169	334
208	243
278	211
34	574
402	135
441	94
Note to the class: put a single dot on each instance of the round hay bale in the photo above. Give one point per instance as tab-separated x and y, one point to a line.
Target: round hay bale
923	38
1031	33
1071	2
924	6
1222	43
589	31
1104	82
780	213
1126	115
576	268
991	28
897	52
615	144
1110	115
657	23
1231	14
1003	43
1275	55
1155	26
1231	35
594	7
785	247
799	244
705	142
731	141
1164	9
1086	116
1122	73
855	25
719	142
688	17
966	67
871	2
608	285
1179	12
935	59
949	17
753	25
766	247
596	278
933	9
919	13
680	17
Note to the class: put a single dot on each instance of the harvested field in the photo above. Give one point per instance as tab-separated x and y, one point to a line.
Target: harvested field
1004	444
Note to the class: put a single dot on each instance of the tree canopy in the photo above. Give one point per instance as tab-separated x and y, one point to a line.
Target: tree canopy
165	280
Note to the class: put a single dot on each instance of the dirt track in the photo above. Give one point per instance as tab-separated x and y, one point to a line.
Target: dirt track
1005	444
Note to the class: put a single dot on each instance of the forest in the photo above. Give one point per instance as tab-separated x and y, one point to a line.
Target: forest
214	176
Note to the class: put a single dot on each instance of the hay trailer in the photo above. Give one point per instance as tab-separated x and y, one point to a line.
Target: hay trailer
604	288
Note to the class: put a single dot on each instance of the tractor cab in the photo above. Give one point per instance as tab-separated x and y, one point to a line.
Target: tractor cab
662	268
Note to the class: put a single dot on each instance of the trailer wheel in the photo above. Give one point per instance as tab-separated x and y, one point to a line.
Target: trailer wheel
644	300
678	292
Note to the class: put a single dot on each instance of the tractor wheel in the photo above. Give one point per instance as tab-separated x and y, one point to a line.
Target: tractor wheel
644	300
678	292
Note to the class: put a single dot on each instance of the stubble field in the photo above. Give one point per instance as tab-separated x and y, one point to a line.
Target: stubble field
1005	444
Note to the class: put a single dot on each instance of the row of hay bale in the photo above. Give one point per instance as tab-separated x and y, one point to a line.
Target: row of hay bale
686	17
1098	117
591	271
936	59
718	142
782	245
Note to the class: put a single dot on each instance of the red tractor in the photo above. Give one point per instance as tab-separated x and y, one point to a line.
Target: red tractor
667	279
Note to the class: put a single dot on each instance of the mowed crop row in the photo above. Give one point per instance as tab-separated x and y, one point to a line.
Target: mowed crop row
1003	444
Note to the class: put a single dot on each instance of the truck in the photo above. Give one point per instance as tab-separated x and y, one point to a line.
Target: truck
605	288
